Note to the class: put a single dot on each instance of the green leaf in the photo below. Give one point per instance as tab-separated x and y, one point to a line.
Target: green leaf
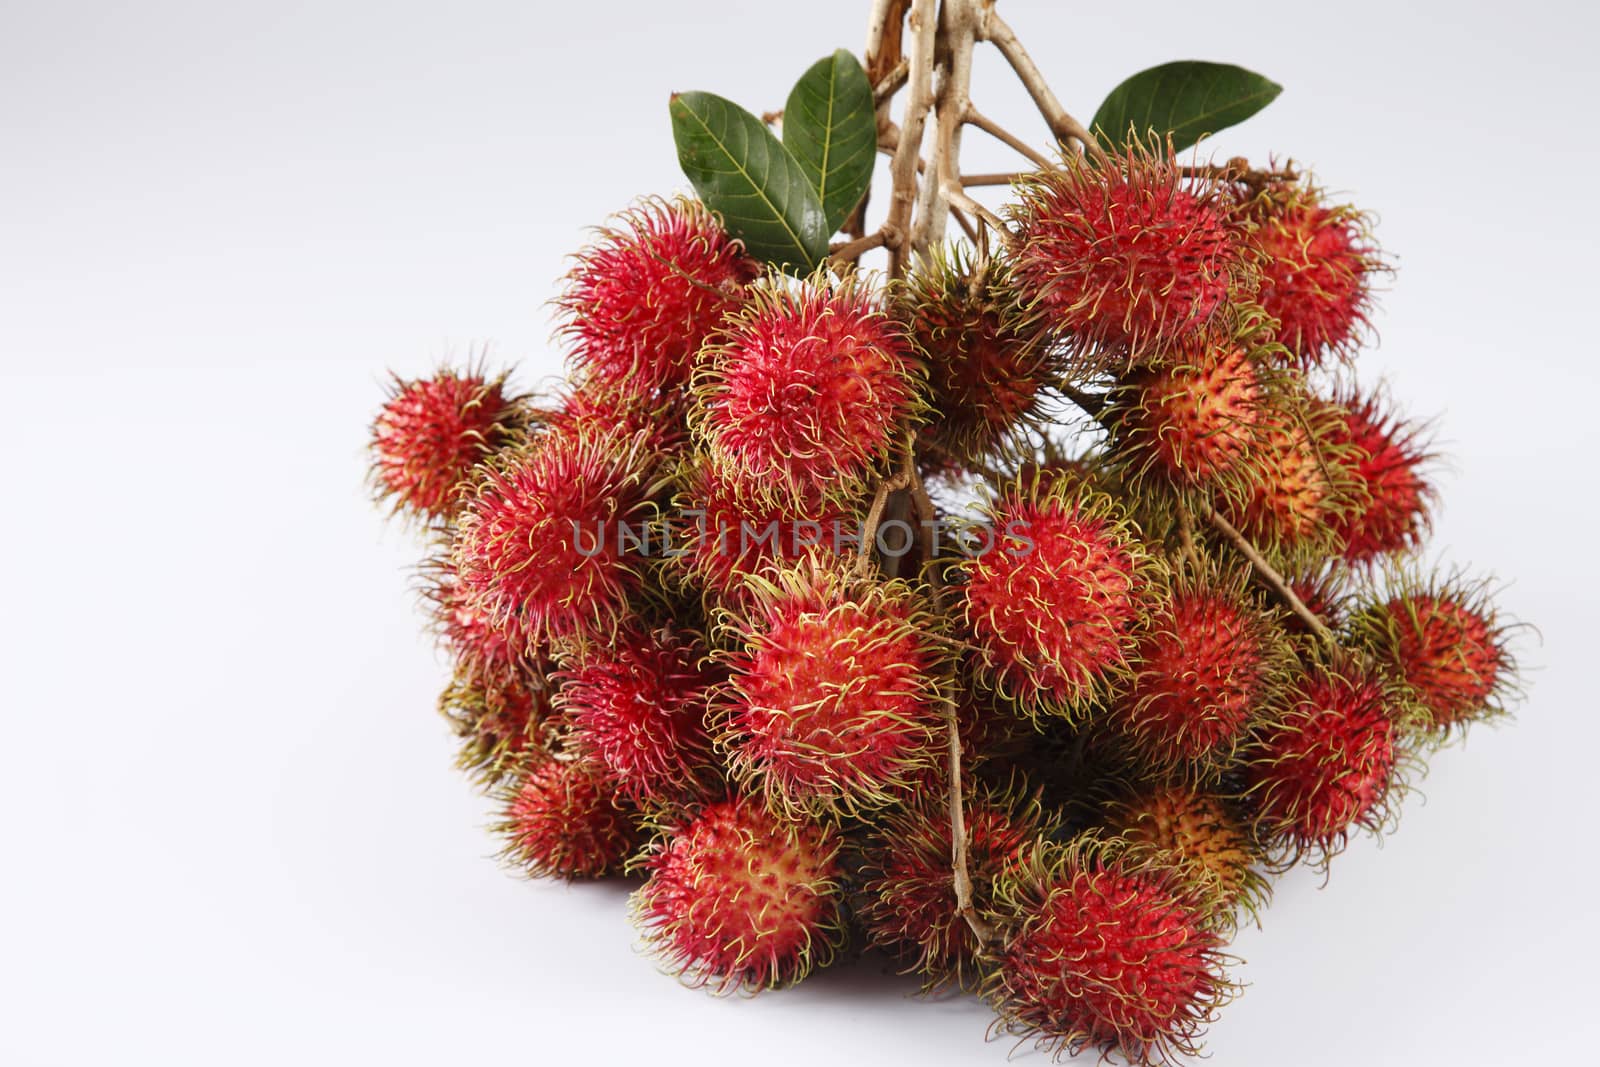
831	129
743	173
1187	100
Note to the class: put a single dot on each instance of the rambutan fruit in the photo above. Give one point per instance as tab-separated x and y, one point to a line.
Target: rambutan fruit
560	819
637	708
1124	258
740	898
598	408
1110	947
731	532
988	363
643	299
1388	460
542	547
833	700
1189	421
1200	828
495	718
1206	664
432	432
809	389
478	647
909	888
1326	764
1316	263
1444	640
1304	483
1055	600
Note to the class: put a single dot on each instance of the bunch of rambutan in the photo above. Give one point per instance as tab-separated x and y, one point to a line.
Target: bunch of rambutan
1020	615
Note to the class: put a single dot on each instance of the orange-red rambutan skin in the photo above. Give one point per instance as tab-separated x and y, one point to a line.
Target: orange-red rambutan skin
1054	619
1325	766
1193	420
643	299
562	821
638	709
808	392
739	898
1447	652
431	433
539	549
1315	267
1112	959
833	701
1388	461
1291	501
1129	257
1203	670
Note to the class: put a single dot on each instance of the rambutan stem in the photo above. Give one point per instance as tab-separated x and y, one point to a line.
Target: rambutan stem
1067	129
973	181
923	20
1268	574
1186	537
961	875
869	528
974	117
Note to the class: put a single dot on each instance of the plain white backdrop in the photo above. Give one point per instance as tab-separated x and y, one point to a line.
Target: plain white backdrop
231	831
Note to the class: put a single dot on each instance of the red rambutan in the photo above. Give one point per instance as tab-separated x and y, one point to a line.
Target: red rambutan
1303	483
910	909
1206	664
479	648
1127	256
1387	460
741	898
809	389
638	709
833	700
1326	764
1111	947
1316	265
1192	419
643	298
561	820
732	533
542	546
495	718
986	357
1054	601
432	432
1442	639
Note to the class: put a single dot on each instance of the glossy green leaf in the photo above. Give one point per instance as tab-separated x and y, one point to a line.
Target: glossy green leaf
743	173
1187	99
831	129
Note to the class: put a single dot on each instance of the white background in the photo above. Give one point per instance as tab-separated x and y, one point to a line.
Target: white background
231	832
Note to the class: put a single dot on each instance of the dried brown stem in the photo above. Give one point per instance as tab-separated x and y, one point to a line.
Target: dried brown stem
869	528
1186	537
1067	129
923	22
850	251
1270	576
972	181
1000	133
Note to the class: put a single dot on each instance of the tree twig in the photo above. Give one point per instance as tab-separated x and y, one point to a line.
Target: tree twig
1000	133
1066	128
1269	575
923	21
